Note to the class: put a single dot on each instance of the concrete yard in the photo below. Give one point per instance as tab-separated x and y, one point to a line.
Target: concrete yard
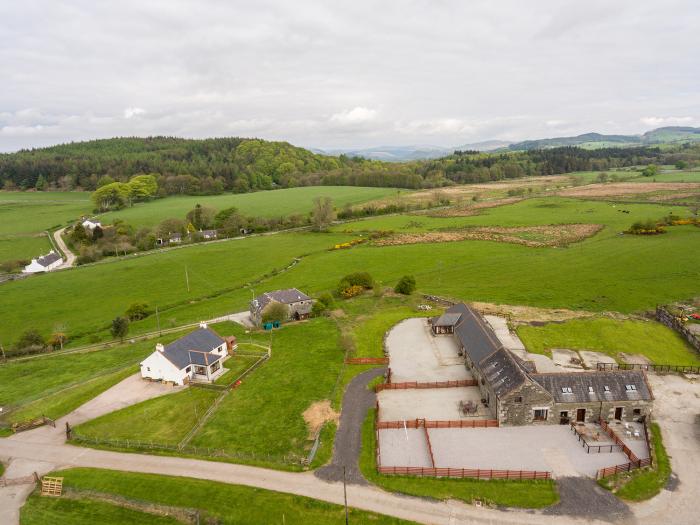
434	403
418	356
537	447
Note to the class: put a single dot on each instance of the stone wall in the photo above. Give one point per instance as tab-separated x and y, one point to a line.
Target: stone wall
667	318
512	412
606	410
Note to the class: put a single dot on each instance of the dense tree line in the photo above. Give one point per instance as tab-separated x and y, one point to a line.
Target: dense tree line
211	166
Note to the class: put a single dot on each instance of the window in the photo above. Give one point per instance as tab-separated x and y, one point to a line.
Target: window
630	388
606	388
188	369
215	366
590	389
637	411
566	390
540	414
148	368
518	399
200	370
563	414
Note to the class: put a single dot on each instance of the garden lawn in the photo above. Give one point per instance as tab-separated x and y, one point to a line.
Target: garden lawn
165	420
226	504
235	366
275	203
508	493
264	415
642	484
653	340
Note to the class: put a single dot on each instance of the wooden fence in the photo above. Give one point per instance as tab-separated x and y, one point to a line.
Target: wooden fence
418	423
34	423
367	361
416	385
680	369
634	461
595	448
465	473
24	480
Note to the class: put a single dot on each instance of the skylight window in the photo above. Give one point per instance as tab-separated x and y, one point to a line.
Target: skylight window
606	388
566	390
630	387
590	389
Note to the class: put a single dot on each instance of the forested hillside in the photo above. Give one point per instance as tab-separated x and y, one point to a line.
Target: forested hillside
212	166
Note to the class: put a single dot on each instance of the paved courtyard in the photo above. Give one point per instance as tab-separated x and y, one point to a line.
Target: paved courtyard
547	448
434	403
415	355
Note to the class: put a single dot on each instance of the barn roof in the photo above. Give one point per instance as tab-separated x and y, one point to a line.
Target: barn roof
288	296
474	334
48	259
586	387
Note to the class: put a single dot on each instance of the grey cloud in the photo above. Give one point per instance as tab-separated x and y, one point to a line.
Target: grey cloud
344	74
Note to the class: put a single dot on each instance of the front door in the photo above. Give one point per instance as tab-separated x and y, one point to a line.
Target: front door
581	415
618	413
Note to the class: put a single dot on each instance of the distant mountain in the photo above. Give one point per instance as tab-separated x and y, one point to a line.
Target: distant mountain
408	153
666	135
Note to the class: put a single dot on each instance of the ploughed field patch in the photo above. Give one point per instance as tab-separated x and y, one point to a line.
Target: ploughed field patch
533	236
475	208
658	191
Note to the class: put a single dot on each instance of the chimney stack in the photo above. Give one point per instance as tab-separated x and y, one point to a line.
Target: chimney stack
202	324
160	347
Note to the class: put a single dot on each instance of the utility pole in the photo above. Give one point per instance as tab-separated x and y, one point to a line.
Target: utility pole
4	357
158	321
187	279
345	496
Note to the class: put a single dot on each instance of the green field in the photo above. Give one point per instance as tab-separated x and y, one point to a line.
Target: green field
218	502
165	420
274	203
56	384
653	340
261	417
24	216
606	272
524	494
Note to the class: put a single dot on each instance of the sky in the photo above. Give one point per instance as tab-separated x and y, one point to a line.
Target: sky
345	74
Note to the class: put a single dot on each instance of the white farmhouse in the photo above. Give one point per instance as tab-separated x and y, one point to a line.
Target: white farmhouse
90	224
198	356
45	263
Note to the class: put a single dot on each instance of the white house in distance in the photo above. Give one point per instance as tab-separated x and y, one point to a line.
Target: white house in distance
45	263
198	356
91	224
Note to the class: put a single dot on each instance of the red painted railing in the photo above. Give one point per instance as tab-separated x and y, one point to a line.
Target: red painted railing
465	473
418	423
407	385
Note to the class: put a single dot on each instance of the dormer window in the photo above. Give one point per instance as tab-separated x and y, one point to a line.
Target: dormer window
630	388
566	390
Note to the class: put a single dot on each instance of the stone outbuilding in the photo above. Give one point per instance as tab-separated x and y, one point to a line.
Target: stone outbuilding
298	304
517	395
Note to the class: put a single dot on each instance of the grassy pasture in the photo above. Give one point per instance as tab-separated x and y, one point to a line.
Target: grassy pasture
653	340
24	216
606	272
274	203
226	504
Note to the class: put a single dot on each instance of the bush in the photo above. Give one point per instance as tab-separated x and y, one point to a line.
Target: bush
352	291
13	266
362	279
137	311
30	342
275	312
406	285
649	227
120	327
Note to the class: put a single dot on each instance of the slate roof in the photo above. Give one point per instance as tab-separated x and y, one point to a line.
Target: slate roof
446	319
288	296
476	336
47	260
587	387
194	348
502	372
209	233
